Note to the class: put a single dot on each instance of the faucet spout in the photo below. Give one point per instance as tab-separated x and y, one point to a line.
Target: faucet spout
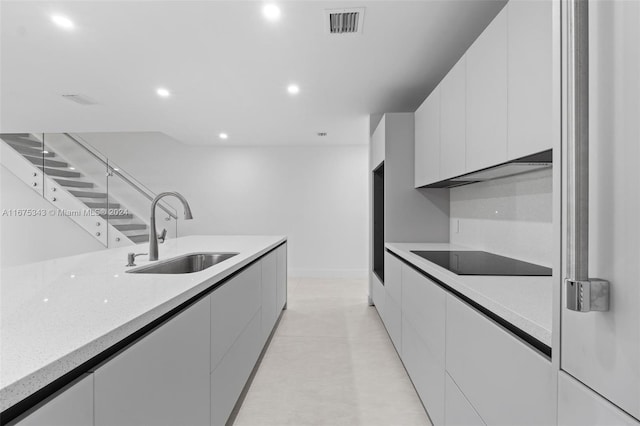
153	236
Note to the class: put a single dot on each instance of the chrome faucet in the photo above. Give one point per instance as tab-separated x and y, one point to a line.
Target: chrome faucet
153	236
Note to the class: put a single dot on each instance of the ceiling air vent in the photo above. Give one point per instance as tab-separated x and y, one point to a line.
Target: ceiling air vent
344	21
80	99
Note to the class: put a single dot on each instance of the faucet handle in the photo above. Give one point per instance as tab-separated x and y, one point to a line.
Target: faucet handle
162	236
131	258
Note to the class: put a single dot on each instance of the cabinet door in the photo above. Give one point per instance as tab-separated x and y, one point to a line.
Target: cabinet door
487	96
269	293
423	339
162	379
281	252
452	123
232	306
427	140
506	381
393	277
73	406
580	406
530	77
393	322
231	375
426	374
458	411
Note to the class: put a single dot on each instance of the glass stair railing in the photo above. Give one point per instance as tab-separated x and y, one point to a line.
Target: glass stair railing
84	185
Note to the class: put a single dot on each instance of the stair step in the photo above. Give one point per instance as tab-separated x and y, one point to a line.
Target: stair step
139	238
19	140
74	183
117	216
24	150
47	162
88	194
59	172
131	227
102	205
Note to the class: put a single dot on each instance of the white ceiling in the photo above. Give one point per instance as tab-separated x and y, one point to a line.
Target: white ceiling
226	66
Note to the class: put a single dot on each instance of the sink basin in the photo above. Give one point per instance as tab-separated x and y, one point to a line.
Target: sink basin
185	264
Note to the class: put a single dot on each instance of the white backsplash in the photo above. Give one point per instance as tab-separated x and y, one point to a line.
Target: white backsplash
509	216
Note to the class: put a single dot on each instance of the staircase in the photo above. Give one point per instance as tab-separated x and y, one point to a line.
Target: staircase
61	179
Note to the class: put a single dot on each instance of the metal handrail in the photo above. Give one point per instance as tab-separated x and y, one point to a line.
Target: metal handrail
148	196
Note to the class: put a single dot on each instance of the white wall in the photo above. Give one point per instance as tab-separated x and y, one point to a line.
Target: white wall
315	195
511	216
25	239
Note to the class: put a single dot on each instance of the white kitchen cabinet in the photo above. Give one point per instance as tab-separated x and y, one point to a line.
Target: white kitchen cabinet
504	379
161	379
269	293
282	280
423	339
393	322
580	406
72	406
231	374
393	277
378	139
458	410
486	124
425	372
378	294
233	305
453	94
530	77
427	140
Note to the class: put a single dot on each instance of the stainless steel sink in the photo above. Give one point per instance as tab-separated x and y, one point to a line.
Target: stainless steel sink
185	264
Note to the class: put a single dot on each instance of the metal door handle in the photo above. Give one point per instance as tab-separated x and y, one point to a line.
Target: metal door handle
583	294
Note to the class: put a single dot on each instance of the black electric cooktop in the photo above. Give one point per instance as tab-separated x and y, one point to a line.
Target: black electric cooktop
482	263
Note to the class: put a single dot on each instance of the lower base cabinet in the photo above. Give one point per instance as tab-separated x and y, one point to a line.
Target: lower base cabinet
505	380
162	379
580	406
458	410
230	376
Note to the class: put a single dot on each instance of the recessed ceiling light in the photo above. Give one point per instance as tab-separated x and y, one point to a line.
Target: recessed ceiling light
293	89
62	22
163	93
72	168
223	136
271	12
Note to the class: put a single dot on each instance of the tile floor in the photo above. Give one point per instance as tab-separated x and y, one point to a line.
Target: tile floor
331	362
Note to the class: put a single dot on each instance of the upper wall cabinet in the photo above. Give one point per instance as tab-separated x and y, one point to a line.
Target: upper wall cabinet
497	103
427	140
487	96
530	36
452	116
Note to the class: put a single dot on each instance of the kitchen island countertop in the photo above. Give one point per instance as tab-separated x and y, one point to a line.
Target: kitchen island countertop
57	314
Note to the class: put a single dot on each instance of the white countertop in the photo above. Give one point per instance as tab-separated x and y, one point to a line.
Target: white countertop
57	314
524	302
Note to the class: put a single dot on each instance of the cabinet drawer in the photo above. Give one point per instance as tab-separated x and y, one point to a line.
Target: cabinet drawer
269	294
458	410
423	306
393	321
232	306
506	381
229	378
393	277
426	370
